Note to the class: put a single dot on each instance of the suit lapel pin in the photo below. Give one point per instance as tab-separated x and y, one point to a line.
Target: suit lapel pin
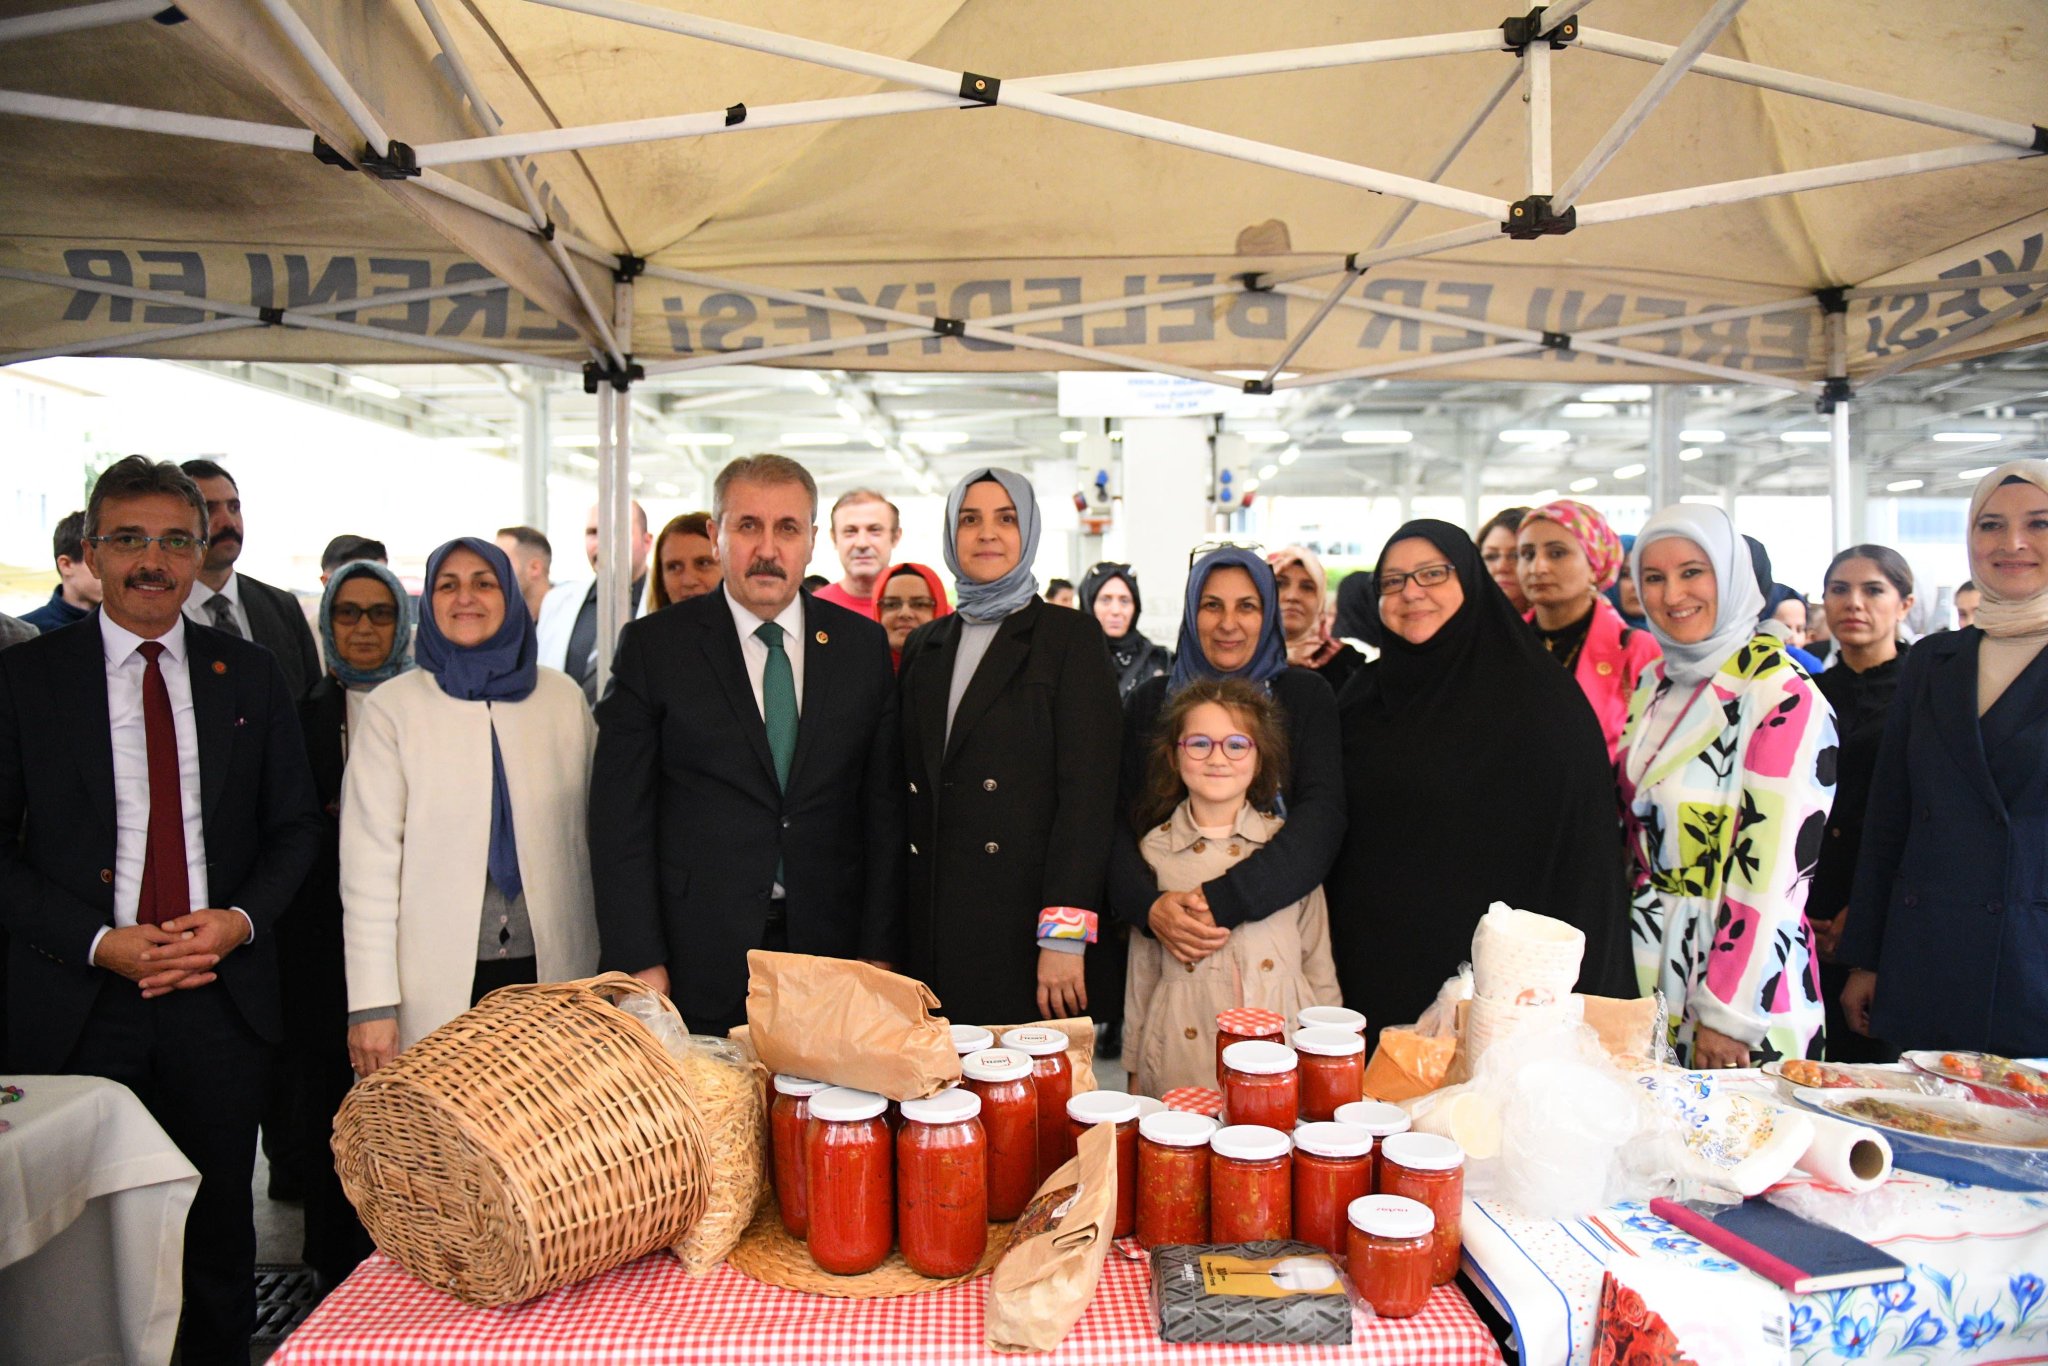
220	666
821	637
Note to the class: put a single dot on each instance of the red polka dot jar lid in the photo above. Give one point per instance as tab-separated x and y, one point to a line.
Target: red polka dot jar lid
1250	1022
1195	1100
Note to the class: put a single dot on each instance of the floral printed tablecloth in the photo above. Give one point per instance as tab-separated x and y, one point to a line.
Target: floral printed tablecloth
1976	1288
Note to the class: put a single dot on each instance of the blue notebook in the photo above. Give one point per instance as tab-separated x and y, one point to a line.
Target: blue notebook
1798	1254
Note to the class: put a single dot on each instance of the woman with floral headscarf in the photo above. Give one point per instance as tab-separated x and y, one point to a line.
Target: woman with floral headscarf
1568	554
1727	773
1304	595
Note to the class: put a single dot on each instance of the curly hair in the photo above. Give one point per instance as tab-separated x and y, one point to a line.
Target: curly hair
1251	707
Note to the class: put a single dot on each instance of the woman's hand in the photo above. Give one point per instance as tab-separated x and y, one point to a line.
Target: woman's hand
1181	922
1062	985
1827	935
371	1044
1857	994
1711	1048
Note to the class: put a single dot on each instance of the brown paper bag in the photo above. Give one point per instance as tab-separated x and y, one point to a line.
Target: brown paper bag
1080	1032
1632	1031
1406	1065
1044	1281
843	1022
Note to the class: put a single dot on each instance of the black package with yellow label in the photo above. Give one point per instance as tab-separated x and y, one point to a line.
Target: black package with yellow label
1250	1292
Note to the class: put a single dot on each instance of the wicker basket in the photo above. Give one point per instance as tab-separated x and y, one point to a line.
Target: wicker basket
538	1139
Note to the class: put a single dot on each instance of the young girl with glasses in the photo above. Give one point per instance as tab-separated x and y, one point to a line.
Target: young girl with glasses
1214	773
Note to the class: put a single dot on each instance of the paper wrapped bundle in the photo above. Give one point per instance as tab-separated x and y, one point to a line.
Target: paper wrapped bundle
843	1022
1524	959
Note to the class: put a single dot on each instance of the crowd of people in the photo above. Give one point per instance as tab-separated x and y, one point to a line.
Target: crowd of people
235	839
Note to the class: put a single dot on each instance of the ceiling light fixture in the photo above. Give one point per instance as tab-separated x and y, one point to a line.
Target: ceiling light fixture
1706	435
371	385
1805	438
1586	410
1585	485
1691	453
937	440
1629	472
1378	436
1072	437
1290	455
1960	437
1269	436
1904	485
1977	473
1535	436
811	439
1268	471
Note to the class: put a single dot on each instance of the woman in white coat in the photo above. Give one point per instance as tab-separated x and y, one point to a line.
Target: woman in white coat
464	861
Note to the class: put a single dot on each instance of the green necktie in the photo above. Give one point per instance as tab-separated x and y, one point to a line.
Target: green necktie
778	700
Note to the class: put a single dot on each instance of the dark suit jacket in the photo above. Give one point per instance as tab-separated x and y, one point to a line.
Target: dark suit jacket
309	939
1950	906
280	627
687	822
1014	811
57	791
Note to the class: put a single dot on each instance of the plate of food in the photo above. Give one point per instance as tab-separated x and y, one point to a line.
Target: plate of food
2000	1081
1835	1076
1953	1137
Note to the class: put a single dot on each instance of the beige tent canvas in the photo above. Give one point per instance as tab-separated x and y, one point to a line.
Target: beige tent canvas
1629	189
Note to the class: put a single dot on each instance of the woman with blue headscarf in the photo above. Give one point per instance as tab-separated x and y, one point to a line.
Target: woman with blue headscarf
1230	628
1009	725
465	864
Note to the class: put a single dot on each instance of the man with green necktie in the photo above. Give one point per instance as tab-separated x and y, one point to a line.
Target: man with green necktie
747	790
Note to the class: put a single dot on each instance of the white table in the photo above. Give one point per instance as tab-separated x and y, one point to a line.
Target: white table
93	1198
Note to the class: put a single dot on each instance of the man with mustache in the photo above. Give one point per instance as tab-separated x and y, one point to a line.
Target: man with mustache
154	772
238	604
865	530
747	790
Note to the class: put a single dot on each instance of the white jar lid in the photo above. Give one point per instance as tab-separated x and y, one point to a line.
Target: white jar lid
1039	1043
1391	1216
1150	1105
1250	1143
954	1105
1376	1117
1419	1152
786	1085
1175	1129
971	1039
1330	1017
995	1064
1328	1041
1327	1138
843	1104
1103	1107
1260	1057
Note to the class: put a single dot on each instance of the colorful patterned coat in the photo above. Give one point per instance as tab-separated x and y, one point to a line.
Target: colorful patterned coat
1725	789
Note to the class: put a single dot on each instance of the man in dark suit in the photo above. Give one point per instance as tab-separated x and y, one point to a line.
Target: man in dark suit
747	790
238	604
154	770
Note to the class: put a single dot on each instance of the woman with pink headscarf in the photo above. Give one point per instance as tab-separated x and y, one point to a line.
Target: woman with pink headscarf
1304	595
1566	553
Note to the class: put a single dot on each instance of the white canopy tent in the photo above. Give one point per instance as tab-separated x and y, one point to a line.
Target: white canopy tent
1808	194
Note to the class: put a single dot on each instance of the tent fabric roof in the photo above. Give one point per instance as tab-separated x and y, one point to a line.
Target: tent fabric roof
980	212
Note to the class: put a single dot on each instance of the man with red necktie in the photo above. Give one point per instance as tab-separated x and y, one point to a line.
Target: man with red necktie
156	773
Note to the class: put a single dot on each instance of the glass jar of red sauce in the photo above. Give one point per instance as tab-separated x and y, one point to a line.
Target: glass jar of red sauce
1243	1025
1009	1116
971	1039
1173	1178
1430	1168
1261	1085
1251	1191
1330	1017
787	1119
1391	1253
1053	1075
1112	1107
1332	1070
942	1184
849	1181
1382	1121
1332	1168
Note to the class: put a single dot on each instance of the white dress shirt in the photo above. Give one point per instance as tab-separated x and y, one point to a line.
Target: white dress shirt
755	653
197	610
125	668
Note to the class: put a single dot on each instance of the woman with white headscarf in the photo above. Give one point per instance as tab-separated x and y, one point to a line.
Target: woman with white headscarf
1727	772
1010	735
1948	920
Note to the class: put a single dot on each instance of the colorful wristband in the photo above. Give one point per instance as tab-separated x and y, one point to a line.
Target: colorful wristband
1067	922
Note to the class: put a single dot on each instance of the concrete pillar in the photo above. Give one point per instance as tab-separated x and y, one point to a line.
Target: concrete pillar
534	450
1848	486
1667	419
1059	537
1473	486
1167	488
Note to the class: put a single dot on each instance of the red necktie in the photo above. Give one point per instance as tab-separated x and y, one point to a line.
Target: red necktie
166	887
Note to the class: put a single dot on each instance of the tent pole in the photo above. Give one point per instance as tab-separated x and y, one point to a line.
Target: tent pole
1835	324
1791	182
301	38
1813	87
1695	367
161	334
533	446
1667	418
614	498
241	131
1952	285
1536	68
1508	82
47	22
1499	352
1920	355
1300	339
1554	15
1645	103
1685	320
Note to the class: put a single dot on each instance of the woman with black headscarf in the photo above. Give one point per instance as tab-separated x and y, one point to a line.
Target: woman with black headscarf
1010	712
1109	593
1231	628
1462	705
464	859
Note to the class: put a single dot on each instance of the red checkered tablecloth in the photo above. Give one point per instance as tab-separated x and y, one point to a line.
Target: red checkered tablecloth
649	1312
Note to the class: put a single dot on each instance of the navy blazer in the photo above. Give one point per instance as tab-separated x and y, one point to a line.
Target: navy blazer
1950	906
687	822
261	823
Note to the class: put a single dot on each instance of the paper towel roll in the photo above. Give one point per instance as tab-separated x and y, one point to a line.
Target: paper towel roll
1524	958
1852	1156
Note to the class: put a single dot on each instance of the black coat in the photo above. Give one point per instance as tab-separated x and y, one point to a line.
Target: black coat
687	822
261	824
1299	857
1012	813
279	626
1950	906
309	942
1861	703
